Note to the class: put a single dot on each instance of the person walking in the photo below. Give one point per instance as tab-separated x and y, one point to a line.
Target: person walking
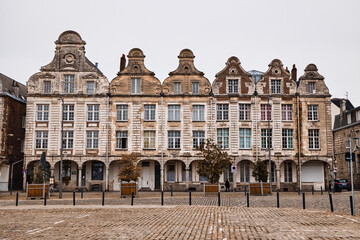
227	185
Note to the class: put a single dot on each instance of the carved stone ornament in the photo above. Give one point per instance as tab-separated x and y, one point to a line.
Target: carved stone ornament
69	58
276	71
47	75
90	76
207	90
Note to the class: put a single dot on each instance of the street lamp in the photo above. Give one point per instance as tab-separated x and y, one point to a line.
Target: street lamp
61	147
351	168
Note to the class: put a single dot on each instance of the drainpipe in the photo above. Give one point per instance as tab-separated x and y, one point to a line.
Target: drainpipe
107	144
256	128
162	141
211	115
298	137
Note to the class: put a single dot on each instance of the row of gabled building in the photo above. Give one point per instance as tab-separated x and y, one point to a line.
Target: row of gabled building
251	115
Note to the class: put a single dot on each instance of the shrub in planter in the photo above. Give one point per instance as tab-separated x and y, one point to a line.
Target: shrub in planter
129	174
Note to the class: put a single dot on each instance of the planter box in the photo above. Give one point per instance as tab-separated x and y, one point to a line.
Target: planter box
260	189
37	190
211	188
127	188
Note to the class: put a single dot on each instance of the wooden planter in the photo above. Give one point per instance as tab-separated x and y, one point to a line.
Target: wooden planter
259	189
37	191
127	188
211	188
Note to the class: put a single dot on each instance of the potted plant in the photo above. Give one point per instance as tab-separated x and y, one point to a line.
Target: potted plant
260	173
129	174
38	188
213	164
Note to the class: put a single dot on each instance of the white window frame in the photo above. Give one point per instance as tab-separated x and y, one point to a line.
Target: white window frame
69	83
286	112
135	85
198	113
149	112
313	112
122	112
314	139
93	112
233	85
68	112
41	139
223	137
177	87
174	111
288	170
120	137
47	86
174	140
244	138
68	139
198	138
149	139
42	112
312	87
222	112
244	171
266	138
266	112
244	112
92	139
89	88
275	86
287	138
195	88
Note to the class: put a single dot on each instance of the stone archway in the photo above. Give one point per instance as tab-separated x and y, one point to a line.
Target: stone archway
313	174
70	174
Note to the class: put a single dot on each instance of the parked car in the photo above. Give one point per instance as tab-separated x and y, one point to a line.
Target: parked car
342	184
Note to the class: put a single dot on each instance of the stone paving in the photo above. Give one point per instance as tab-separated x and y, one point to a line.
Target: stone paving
147	219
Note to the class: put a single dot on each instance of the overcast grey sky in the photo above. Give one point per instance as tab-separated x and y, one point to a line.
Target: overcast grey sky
326	33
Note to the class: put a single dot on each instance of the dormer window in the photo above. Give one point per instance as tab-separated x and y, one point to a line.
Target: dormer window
90	87
275	86
311	87
47	86
135	85
348	118
177	88
233	86
69	83
195	88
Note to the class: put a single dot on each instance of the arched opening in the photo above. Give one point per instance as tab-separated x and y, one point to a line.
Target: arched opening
150	175
70	173
313	174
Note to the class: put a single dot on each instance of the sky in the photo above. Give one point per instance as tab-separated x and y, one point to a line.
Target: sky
323	32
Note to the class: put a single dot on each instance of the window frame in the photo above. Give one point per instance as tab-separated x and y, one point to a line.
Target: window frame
177	87
198	113
233	86
223	134
266	138
97	165
314	139
312	87
69	83
93	87
174	113
196	92
266	112
135	85
286	112
288	172
149	112
120	137
246	136
93	115
244	171
222	114
122	111
275	86
41	139
68	112
149	139
92	140
287	138
245	112
174	141
47	86
68	140
42	112
198	138
313	112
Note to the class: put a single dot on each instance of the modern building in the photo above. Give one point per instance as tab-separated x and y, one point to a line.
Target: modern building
12	134
249	114
346	129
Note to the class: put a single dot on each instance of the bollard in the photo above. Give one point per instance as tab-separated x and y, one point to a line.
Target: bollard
331	203
298	191
189	198
245	190
303	200
132	198
312	190
11	191
329	189
73	198
103	198
162	198
45	200
247	200
278	199
219	200
171	190
321	190
17	199
82	192
351	206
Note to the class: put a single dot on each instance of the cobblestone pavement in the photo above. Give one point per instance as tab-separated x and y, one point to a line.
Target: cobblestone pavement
147	219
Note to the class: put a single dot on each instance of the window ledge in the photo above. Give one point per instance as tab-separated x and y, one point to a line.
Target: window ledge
122	120
314	149
149	120
121	149
149	149
198	121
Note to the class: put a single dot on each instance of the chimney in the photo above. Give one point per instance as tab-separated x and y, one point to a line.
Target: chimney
342	107
16	90
294	73
122	62
96	65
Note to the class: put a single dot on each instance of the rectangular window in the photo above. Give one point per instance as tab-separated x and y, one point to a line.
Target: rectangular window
265	112
42	112
121	139
287	138
313	112
174	139
149	112
244	112
41	139
121	112
314	142
198	113
93	112
311	87
177	88
174	113
68	112
66	169
275	86
171	171
97	170
288	171
92	139
69	83
286	112
68	139
244	138
47	86
135	85
149	139
222	112
223	137
195	88
233	85
244	171
198	139
273	172
90	87
266	138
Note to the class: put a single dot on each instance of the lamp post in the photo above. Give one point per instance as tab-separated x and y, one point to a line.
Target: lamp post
351	167
269	150
61	147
